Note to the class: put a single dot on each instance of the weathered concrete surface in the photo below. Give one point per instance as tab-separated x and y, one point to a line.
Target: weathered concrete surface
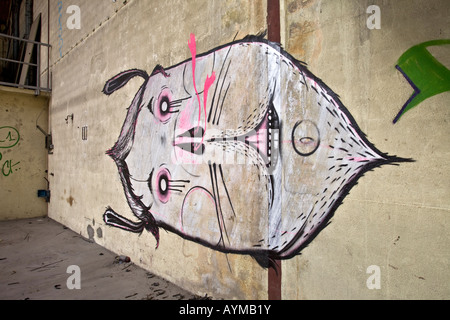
23	157
396	218
115	37
35	255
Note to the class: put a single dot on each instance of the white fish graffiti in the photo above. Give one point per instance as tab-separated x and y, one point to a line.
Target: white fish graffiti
241	149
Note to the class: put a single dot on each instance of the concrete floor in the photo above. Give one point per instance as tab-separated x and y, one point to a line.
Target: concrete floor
34	259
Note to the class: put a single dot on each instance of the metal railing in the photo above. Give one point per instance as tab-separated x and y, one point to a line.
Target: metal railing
37	86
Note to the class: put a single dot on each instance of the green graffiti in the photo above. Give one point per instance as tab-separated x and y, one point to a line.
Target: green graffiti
425	74
9	137
9	167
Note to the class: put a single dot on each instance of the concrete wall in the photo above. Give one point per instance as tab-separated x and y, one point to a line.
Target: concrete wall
115	37
396	218
390	219
23	157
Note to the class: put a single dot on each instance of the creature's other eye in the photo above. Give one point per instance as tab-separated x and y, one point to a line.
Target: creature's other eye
305	138
164	106
162	185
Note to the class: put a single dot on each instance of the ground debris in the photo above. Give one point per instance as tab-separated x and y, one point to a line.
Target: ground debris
201	298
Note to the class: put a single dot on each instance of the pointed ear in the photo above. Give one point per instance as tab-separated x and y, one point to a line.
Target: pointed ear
122	79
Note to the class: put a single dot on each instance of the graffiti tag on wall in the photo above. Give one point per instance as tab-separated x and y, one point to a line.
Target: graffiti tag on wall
60	30
426	75
241	149
9	138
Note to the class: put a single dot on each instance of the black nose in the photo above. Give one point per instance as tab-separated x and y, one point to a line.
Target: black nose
196	132
195	148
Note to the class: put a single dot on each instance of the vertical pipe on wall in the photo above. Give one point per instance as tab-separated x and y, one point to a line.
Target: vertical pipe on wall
15	27
48	48
274	34
273	20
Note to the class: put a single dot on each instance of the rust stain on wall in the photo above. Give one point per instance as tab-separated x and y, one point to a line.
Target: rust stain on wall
304	33
296	5
70	200
305	40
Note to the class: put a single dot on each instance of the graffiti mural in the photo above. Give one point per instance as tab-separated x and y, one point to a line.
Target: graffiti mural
426	75
9	138
241	149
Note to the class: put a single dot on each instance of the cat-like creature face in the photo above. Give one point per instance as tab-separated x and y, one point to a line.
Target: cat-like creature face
240	149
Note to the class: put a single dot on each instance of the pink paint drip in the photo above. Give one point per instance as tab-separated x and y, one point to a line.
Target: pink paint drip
193	47
208	83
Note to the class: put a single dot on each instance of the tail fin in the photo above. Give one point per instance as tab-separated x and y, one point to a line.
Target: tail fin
111	218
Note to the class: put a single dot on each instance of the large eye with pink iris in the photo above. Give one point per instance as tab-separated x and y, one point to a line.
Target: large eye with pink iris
162	185
162	109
